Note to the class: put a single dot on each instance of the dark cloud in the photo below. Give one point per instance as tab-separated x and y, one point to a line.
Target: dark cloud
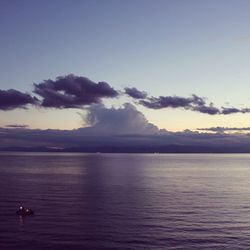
245	110
135	93
194	103
223	129
199	101
227	111
17	126
210	109
166	102
12	99
72	92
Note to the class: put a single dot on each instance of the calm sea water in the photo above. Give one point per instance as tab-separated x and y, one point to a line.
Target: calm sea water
125	201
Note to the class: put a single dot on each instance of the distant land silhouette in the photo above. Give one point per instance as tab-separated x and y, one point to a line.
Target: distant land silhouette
135	149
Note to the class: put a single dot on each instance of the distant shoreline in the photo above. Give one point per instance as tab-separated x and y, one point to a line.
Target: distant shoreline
170	149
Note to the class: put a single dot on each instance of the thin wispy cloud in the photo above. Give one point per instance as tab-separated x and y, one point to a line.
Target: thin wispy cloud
224	129
17	126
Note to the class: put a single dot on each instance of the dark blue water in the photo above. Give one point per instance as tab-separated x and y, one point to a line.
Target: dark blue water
125	201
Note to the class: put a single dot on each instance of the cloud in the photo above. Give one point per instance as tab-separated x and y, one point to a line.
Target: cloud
166	102
223	129
12	99
17	126
72	92
227	111
194	103
85	140
135	93
122	129
210	109
125	120
108	128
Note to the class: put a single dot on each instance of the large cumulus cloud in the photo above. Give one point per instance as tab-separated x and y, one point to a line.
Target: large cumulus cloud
123	121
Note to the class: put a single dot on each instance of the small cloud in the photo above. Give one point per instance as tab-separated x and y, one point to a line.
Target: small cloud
135	93
210	109
226	111
166	102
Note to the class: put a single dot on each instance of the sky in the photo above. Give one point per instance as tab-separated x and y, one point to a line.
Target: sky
167	48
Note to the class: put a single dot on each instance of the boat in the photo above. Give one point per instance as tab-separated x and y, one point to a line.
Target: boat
24	211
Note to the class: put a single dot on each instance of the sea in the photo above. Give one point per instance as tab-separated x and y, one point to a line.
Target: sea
125	201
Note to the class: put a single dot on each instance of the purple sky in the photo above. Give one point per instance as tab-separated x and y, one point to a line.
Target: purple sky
167	49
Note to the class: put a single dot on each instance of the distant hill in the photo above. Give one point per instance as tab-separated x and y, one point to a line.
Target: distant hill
134	149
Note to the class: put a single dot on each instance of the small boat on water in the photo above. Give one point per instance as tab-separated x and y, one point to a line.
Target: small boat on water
24	211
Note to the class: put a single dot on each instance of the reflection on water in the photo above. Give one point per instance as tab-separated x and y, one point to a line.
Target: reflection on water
125	201
21	220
